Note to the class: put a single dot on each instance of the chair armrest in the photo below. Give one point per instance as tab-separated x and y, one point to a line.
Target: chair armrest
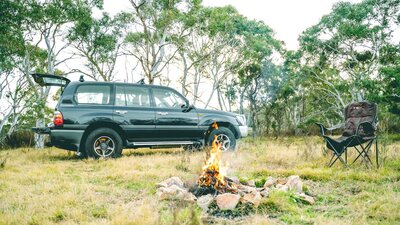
323	129
337	126
366	126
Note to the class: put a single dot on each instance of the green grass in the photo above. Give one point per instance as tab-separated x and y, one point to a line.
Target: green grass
54	186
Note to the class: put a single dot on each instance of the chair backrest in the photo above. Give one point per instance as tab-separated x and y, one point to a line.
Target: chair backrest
358	112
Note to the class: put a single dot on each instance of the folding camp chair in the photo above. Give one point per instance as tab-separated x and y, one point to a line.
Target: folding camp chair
361	121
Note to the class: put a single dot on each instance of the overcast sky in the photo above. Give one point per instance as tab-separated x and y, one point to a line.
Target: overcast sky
288	18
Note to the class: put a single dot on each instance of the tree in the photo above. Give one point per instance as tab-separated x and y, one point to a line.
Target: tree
48	19
157	28
99	42
343	54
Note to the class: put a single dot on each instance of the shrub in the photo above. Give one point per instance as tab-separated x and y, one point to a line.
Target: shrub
20	138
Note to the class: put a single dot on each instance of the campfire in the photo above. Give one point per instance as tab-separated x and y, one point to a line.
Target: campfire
212	179
214	188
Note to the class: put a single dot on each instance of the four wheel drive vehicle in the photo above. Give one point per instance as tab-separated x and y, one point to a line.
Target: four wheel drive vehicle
99	119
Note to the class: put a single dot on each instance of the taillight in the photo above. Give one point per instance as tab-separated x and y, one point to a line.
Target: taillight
58	119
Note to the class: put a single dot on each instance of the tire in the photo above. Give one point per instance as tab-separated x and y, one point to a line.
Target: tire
103	143
225	134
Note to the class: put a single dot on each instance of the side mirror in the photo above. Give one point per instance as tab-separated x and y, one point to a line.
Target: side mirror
187	107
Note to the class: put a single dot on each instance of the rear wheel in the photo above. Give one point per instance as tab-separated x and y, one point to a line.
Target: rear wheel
225	137
103	143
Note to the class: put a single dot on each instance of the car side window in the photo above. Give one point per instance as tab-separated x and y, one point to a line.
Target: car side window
120	99
93	94
165	98
133	96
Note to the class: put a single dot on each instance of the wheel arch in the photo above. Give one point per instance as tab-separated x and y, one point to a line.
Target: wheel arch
222	124
103	124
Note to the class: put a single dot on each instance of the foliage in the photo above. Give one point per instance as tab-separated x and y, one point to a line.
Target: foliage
18	139
227	61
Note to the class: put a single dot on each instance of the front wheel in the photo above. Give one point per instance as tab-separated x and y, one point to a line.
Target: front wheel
225	137
103	143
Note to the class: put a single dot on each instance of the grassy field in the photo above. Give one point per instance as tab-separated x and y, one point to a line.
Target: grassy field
54	186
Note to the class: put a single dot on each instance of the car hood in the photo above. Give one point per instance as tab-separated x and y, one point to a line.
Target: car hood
208	111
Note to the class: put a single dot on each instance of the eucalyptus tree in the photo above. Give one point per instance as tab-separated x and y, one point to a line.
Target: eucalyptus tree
211	53
157	27
47	22
99	41
343	53
256	70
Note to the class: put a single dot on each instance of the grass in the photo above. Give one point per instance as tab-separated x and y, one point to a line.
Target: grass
54	186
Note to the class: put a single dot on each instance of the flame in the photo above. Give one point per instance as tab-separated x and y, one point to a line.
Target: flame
211	172
215	126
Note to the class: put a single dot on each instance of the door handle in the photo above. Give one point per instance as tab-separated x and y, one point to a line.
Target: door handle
162	113
121	112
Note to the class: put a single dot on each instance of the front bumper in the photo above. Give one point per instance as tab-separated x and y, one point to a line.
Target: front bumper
244	131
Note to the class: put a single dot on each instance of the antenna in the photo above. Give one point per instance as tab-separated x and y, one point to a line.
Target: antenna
141	81
81	79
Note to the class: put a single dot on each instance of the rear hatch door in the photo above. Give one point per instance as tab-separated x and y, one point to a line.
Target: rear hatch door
50	80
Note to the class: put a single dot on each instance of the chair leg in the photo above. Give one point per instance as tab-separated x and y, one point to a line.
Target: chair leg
376	152
329	164
366	151
359	154
336	153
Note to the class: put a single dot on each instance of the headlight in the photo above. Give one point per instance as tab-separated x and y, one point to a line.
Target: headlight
241	119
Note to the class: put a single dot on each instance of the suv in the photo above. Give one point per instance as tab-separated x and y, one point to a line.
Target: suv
99	119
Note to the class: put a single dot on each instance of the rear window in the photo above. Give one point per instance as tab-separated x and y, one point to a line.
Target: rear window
93	94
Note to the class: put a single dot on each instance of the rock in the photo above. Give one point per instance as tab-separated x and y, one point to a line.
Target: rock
269	182
264	193
235	180
204	201
294	183
227	201
253	198
281	187
174	192
260	189
245	188
251	183
306	198
281	181
171	181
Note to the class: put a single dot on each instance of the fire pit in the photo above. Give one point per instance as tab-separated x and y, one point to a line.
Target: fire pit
216	194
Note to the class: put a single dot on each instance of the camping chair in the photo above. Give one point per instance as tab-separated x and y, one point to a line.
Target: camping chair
361	123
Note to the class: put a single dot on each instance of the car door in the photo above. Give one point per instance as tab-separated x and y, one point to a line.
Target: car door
173	121
133	112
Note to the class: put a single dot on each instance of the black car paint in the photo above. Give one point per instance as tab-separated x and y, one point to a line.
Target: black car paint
138	124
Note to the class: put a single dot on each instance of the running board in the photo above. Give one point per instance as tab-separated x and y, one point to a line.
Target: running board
161	143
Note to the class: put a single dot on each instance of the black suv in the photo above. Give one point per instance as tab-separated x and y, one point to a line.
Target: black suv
99	119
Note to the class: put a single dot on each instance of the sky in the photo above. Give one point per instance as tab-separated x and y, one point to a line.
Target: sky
288	18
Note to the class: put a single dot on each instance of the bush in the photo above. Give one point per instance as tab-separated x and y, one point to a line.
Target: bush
20	138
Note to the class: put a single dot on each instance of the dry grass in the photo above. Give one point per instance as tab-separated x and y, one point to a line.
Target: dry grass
54	186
